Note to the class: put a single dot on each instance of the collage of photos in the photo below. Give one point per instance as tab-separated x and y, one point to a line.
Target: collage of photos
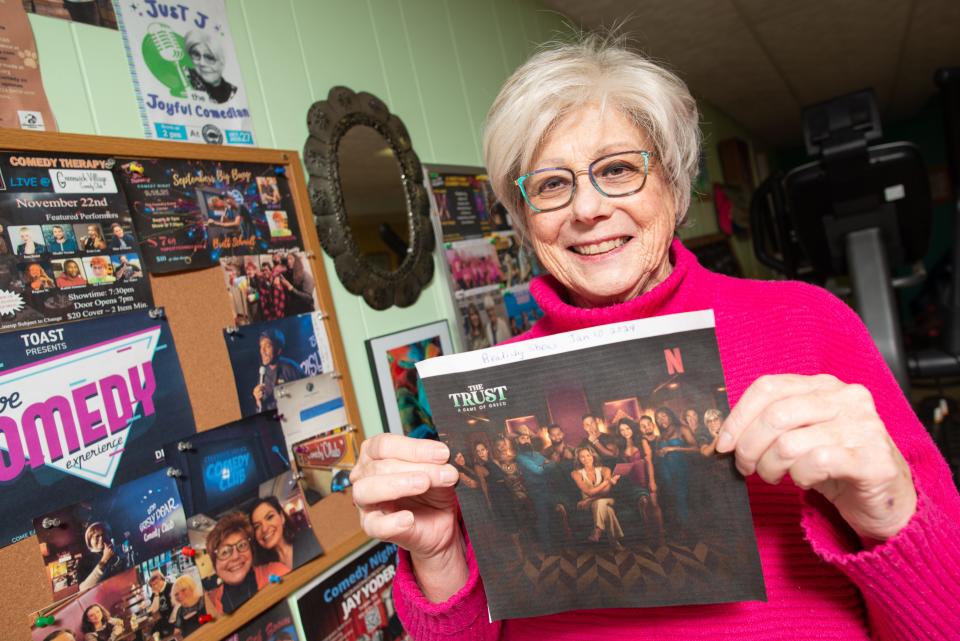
267	287
243	548
191	213
598	453
265	355
487	262
66	253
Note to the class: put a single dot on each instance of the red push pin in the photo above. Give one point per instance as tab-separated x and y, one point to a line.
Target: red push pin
204	618
188	551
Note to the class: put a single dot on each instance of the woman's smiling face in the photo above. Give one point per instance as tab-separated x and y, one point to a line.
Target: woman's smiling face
267	526
233	569
603	250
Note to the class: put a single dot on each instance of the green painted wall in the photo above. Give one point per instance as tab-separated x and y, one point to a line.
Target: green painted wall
437	63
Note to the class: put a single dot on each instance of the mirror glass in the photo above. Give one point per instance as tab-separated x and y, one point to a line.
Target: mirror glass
374	199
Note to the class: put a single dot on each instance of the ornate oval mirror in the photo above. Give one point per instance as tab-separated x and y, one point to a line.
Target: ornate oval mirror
369	202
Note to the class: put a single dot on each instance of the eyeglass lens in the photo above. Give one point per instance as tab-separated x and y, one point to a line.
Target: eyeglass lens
616	175
226	551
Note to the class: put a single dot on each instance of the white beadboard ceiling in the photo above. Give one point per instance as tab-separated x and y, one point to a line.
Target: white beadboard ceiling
761	61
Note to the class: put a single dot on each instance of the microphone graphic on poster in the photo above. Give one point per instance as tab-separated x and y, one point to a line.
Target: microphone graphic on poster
163	52
259	388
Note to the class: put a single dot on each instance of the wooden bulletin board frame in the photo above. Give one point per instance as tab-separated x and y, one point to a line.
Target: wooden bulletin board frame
196	319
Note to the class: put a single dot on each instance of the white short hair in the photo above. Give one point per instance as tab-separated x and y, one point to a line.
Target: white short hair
564	77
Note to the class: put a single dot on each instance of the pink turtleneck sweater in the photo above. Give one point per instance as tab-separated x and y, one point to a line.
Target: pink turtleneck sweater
821	583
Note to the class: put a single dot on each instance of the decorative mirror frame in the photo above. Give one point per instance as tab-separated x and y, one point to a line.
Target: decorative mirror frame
328	121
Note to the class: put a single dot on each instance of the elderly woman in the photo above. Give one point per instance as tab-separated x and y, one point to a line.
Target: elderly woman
208	60
592	148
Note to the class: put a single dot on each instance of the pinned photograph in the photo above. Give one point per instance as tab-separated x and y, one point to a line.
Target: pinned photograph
265	355
473	263
483	318
310	407
521	309
164	600
393	359
87	543
588	473
243	548
224	466
269	286
326	461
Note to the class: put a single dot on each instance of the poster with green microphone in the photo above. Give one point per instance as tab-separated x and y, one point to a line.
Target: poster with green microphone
185	71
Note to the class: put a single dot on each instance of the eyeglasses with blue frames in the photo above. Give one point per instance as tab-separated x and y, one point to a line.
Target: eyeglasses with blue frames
614	175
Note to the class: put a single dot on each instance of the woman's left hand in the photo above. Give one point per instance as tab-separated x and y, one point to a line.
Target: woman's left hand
827	435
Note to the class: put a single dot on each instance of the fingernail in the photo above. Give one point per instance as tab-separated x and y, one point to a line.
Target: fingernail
441	453
405	520
726	440
447	476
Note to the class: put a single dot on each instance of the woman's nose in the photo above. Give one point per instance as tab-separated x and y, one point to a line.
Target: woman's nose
588	204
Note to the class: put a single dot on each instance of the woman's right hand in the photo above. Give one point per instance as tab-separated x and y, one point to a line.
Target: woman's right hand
403	488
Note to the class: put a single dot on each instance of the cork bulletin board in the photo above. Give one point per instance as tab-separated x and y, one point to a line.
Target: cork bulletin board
197	311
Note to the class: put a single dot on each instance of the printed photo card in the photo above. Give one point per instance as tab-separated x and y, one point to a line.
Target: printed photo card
135	523
269	286
265	355
310	407
85	407
225	466
319	440
160	600
325	461
587	473
240	547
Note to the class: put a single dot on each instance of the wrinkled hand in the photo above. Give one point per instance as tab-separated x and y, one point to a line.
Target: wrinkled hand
403	488
827	436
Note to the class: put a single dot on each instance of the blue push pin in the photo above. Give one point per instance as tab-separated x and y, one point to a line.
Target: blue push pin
280	170
274	578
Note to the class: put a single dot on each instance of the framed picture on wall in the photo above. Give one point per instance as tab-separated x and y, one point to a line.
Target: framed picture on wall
393	359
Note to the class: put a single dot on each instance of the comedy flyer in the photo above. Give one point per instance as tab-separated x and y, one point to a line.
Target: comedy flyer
355	601
84	407
185	71
191	213
67	247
